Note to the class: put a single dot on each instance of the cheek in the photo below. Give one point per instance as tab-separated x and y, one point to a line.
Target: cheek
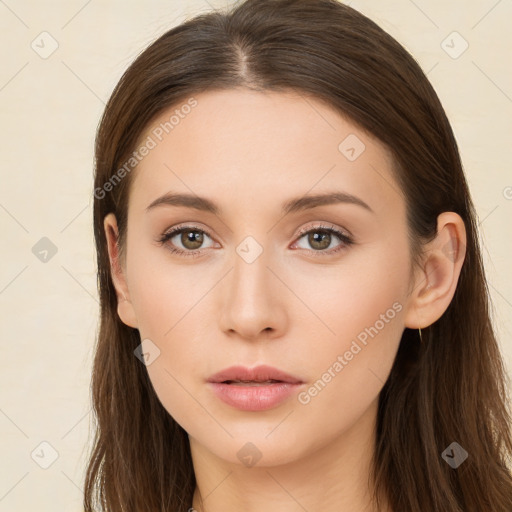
165	295
174	392
170	303
172	319
350	297
363	307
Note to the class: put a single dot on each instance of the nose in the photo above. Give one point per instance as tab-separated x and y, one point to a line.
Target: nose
253	300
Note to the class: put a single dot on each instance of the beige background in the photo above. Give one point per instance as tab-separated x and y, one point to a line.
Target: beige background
50	109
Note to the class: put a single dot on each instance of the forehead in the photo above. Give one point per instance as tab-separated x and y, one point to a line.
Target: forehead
259	148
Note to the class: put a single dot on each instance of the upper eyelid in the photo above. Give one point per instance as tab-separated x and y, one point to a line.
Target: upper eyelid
183	227
325	226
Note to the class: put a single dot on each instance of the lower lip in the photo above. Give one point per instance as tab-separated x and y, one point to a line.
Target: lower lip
256	397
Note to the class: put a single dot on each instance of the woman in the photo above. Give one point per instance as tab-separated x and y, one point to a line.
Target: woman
294	311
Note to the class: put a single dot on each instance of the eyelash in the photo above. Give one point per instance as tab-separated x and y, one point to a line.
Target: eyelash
346	240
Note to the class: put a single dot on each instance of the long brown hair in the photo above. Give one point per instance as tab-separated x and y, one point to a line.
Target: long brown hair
451	388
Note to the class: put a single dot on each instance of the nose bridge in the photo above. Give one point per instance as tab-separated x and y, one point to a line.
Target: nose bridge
250	280
252	298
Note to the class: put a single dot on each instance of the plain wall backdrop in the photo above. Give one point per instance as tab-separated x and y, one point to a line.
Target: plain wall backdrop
60	62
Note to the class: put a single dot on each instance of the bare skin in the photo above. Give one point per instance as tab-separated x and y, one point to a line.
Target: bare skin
297	306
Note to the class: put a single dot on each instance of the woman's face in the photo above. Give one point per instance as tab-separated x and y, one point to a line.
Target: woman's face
268	283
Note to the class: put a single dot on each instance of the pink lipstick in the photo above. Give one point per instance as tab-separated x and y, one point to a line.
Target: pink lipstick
253	389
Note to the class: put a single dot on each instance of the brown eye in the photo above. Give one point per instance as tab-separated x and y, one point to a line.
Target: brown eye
185	240
191	239
319	239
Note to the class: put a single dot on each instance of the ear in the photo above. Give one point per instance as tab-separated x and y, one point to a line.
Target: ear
436	281
124	306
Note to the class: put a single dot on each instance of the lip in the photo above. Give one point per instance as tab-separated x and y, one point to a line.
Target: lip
252	396
258	374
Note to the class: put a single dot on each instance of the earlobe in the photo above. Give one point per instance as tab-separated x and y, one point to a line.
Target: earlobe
124	306
437	279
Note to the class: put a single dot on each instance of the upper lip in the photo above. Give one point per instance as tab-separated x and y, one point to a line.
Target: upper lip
257	374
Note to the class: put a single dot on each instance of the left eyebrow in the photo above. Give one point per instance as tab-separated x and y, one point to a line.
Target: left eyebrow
312	201
290	206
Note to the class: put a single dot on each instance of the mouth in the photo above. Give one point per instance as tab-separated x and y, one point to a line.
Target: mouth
263	374
253	389
250	382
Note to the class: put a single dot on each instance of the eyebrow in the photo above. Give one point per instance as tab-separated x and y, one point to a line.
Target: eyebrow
290	206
